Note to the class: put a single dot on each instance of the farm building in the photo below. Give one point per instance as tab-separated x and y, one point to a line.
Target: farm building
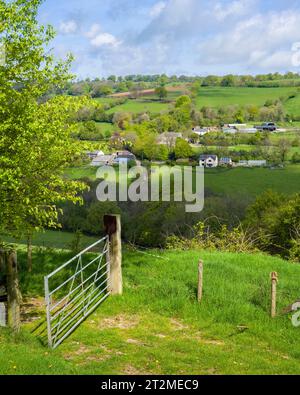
248	130
200	131
252	163
228	130
169	138
124	157
226	161
94	154
209	161
103	160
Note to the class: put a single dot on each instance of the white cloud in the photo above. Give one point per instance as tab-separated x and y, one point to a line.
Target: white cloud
157	9
255	43
94	30
195	36
235	8
68	27
105	40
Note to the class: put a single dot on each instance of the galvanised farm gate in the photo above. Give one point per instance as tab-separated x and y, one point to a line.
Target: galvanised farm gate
75	289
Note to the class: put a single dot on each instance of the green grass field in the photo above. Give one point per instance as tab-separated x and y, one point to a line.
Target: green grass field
213	97
106	127
220	96
251	182
292	107
157	326
242	147
53	239
140	106
86	171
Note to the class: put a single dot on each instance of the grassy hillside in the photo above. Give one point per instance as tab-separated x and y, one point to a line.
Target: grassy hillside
292	107
158	326
251	182
54	239
139	106
221	96
212	97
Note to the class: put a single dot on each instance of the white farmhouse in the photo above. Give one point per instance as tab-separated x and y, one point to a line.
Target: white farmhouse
103	160
200	131
209	161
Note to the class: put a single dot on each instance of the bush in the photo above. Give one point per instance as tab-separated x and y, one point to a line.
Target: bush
236	240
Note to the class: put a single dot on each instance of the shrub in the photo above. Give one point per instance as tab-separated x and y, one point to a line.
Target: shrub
236	240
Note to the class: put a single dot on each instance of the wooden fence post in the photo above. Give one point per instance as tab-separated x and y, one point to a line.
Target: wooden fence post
14	298
200	280
112	225
274	280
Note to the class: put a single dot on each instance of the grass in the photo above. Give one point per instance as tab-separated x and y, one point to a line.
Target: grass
243	147
140	106
221	96
292	107
87	171
53	239
157	326
252	182
106	127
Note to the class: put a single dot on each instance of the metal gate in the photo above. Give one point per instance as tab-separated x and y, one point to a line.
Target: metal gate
75	289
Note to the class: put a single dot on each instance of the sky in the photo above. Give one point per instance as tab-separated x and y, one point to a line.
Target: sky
191	37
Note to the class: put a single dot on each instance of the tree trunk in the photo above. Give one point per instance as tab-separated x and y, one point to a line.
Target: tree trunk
14	297
29	252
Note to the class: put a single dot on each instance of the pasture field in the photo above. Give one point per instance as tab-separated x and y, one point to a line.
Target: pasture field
87	171
292	107
241	147
106	127
140	106
157	326
212	97
53	239
222	96
253	182
105	100
250	182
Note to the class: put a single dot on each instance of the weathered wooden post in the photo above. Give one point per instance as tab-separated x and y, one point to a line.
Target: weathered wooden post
112	225
274	280
200	281
14	298
3	293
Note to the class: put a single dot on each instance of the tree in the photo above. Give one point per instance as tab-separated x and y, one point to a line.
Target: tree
296	157
228	80
101	90
122	119
182	149
284	146
35	135
161	92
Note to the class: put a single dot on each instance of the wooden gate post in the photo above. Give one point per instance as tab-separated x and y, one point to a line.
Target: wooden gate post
112	225
14	298
274	280
200	280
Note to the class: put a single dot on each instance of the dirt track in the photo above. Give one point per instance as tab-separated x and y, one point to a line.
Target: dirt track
148	91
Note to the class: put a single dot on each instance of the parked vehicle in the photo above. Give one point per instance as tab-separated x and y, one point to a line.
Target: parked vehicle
267	126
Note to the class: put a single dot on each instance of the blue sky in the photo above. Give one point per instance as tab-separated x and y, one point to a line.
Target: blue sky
175	36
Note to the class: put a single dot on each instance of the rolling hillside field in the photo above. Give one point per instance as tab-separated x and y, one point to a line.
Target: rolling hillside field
221	96
140	106
251	182
212	97
292	107
158	327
